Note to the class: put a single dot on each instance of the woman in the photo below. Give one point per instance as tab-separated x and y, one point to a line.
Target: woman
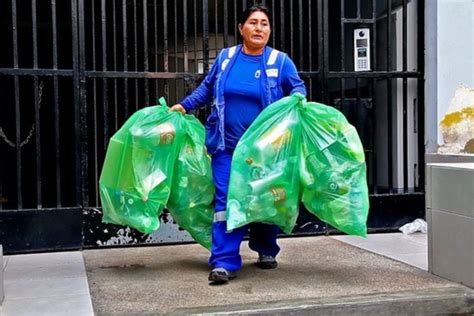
243	80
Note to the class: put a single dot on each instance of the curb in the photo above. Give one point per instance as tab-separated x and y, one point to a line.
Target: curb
439	301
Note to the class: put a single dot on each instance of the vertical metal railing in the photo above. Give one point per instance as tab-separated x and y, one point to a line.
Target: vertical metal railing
34	34
165	45
114	64
57	134
301	29
80	108
371	92
95	111
291	29
421	93
389	94
105	86
405	96
145	50
185	38
135	54
225	29
282	24
77	20
19	161
205	35
309	46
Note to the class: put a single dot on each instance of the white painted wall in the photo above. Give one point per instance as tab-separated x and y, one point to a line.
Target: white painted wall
449	58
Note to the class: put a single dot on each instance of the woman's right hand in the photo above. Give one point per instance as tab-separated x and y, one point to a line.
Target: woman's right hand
177	108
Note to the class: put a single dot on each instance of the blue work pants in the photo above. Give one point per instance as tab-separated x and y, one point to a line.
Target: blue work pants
226	245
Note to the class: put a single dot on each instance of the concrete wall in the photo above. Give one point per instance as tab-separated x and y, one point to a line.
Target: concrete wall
450	217
449	55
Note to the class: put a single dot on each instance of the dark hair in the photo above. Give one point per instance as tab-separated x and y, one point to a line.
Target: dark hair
255	8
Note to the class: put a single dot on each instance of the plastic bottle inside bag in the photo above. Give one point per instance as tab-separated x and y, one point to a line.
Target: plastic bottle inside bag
163	134
355	197
257	173
270	144
268	202
263	184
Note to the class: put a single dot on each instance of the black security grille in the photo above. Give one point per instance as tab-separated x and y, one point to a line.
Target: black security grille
71	72
39	153
386	103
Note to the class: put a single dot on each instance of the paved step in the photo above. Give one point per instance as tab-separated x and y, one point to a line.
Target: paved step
442	301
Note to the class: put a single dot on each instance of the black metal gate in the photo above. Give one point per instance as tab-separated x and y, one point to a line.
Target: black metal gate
71	72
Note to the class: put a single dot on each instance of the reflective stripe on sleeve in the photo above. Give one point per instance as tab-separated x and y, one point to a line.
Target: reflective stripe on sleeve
219	216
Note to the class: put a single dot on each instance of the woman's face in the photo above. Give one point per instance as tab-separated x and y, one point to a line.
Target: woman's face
255	31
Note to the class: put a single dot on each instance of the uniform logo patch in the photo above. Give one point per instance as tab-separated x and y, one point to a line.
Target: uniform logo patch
272	72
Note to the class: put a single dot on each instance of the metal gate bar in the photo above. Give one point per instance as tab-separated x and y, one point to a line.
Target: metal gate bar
421	93
17	109
389	91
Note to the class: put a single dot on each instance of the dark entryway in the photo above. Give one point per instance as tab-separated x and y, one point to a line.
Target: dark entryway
71	72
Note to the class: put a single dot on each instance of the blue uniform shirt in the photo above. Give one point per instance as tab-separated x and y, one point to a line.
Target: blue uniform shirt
242	92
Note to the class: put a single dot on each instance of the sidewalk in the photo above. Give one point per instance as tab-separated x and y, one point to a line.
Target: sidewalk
46	284
315	274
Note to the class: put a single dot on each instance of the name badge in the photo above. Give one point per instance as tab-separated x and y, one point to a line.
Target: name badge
273	72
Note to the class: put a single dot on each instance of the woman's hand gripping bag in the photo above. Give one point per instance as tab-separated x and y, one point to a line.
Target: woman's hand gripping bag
333	170
192	192
264	181
136	176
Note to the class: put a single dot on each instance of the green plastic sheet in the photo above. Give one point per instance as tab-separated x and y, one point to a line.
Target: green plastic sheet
145	169
299	151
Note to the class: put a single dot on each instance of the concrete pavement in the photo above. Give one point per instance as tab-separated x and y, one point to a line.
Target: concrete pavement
315	274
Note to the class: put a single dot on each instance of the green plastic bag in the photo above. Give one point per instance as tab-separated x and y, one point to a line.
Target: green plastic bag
192	192
297	149
147	163
333	170
264	181
136	176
